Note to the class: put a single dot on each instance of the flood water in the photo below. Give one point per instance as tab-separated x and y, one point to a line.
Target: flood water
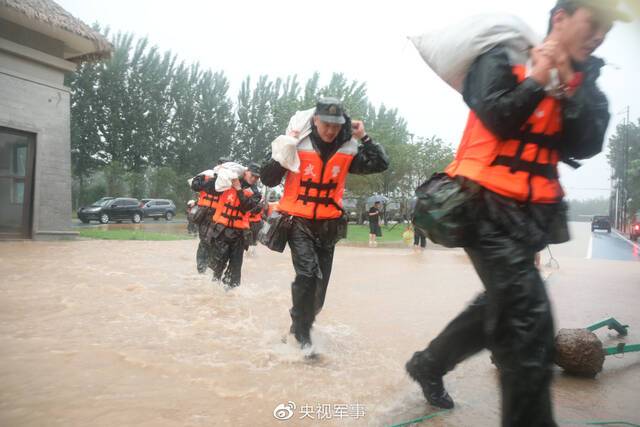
148	225
111	333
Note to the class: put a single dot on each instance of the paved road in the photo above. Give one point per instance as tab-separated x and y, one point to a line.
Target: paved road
613	246
598	245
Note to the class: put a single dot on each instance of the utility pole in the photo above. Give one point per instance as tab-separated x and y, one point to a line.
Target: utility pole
625	192
613	207
621	183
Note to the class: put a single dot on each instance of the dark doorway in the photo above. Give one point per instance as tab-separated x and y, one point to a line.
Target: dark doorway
17	156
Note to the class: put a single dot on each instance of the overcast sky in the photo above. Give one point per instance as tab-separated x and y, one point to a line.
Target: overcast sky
366	41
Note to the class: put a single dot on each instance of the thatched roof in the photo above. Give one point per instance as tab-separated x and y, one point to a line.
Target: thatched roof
48	17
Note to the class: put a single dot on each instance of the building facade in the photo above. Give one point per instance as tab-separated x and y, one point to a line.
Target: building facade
39	43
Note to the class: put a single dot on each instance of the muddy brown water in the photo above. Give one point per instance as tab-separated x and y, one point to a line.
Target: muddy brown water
111	333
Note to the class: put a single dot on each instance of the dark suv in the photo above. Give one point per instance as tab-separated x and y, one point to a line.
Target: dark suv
158	208
601	223
107	209
92	212
350	207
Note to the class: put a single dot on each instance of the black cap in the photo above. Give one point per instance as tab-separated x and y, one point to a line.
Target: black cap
330	110
254	168
223	159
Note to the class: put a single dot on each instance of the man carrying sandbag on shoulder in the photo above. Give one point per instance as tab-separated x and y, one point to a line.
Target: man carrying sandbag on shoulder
231	235
203	216
320	149
529	110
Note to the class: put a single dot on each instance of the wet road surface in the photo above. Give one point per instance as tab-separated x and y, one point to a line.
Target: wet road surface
113	333
613	246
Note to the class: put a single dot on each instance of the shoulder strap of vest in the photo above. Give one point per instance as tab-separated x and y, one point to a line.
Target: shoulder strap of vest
516	163
548	171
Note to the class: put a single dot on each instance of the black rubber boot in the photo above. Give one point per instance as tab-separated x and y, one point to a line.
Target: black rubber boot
431	383
302	333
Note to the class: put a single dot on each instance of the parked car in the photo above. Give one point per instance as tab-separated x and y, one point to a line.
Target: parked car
159	208
116	209
92	211
601	223
350	207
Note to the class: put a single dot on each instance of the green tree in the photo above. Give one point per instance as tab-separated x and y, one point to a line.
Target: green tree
353	94
624	159
164	183
148	122
85	139
429	155
285	101
138	184
255	129
389	129
115	179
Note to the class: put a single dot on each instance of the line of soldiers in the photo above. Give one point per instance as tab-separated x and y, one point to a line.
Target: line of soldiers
228	222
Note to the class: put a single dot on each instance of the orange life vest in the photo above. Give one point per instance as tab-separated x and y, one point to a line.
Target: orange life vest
257	217
316	191
228	213
523	168
208	200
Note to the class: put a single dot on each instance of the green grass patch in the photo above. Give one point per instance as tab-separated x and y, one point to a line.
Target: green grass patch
360	233
131	235
355	234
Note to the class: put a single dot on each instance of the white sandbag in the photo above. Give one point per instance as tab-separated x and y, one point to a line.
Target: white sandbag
227	172
301	122
450	51
284	149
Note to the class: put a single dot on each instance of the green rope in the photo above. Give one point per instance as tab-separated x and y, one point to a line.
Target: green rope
603	423
421	419
600	423
591	423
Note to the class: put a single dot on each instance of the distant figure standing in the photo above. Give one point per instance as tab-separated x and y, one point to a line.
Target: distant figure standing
192	228
231	233
255	215
207	205
374	224
419	240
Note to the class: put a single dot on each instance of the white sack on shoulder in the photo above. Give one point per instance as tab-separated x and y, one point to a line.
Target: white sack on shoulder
236	168
227	172
301	122
284	149
450	51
